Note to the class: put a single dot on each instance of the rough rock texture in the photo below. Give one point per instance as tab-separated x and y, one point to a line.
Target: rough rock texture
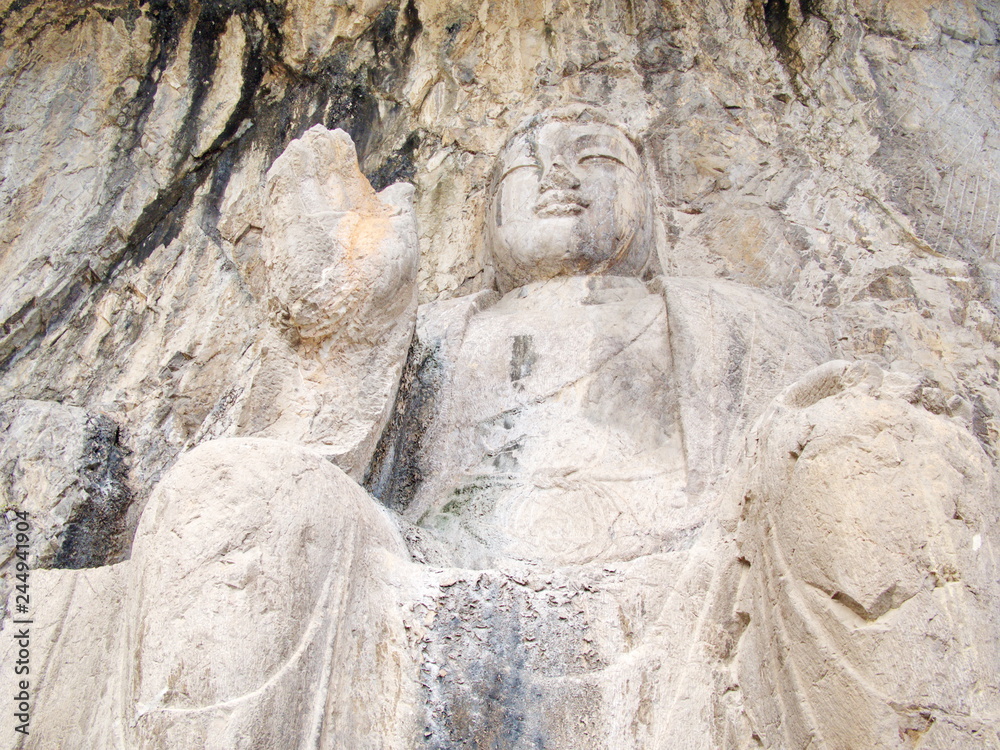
840	155
129	626
863	529
333	264
68	469
824	182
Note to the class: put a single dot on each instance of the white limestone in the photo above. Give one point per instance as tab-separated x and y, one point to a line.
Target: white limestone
628	511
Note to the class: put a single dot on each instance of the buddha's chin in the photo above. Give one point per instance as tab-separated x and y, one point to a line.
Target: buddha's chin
524	265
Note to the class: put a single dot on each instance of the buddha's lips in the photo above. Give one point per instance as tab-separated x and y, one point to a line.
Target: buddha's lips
560	203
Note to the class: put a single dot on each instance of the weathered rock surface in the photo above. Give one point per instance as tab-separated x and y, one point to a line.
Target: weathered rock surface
184	254
68	469
811	151
276	591
863	529
333	265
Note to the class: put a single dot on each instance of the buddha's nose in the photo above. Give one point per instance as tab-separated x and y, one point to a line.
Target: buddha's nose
558	176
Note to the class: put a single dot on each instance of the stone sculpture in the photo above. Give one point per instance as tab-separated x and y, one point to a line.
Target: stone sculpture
593	548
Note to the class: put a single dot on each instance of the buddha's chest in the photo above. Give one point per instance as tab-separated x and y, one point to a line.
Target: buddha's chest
565	388
557	426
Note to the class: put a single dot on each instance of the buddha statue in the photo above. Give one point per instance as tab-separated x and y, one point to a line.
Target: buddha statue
618	510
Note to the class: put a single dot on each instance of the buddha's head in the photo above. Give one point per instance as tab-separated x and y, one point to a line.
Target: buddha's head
568	196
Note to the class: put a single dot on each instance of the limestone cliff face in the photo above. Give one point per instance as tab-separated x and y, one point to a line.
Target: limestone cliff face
841	156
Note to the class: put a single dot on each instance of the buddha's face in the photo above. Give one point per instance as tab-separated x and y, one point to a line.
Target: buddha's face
570	200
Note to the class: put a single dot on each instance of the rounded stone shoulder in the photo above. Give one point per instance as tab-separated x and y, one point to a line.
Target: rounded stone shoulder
245	561
256	488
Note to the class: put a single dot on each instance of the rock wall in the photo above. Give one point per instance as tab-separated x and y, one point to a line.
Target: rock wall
839	156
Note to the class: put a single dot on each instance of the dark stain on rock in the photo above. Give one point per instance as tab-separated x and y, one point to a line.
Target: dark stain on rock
95	533
476	673
395	472
129	12
346	87
777	23
348	102
522	358
781	30
392	37
984	426
398	166
892	283
15	7
162	220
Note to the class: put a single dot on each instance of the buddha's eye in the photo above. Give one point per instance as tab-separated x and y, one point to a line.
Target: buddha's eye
599	157
525	164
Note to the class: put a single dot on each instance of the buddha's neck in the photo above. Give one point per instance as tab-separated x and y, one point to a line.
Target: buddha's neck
584	290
